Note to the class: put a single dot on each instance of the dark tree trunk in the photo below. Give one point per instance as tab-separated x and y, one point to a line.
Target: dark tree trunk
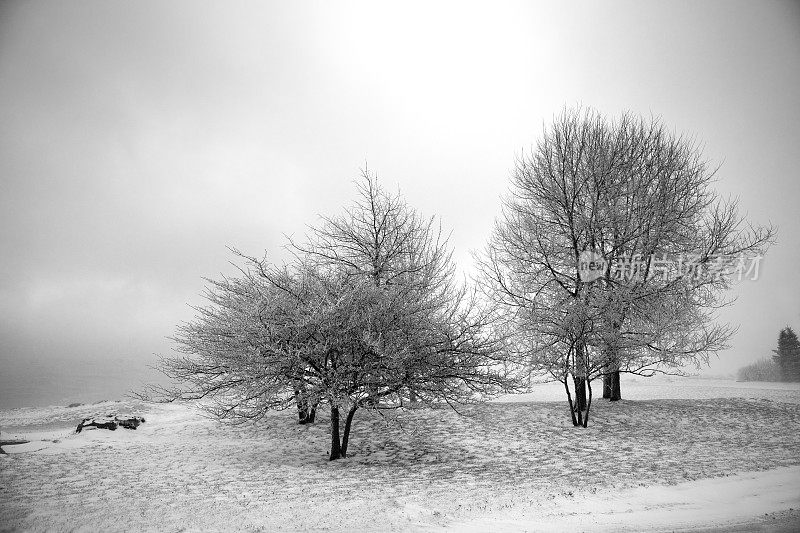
348	422
607	386
312	414
616	391
302	413
579	378
571	406
336	450
611	377
580	394
305	411
580	398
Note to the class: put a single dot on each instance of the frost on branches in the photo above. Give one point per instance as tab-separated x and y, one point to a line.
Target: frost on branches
620	189
366	315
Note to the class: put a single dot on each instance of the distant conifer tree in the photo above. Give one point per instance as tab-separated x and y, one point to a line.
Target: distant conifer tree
787	356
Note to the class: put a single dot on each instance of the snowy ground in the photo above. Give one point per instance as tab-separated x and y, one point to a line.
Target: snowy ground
690	462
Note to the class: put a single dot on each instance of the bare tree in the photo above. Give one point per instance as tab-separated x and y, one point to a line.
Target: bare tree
241	353
367	310
433	339
621	190
656	191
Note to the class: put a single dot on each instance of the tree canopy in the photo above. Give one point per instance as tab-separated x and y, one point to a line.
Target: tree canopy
631	193
368	312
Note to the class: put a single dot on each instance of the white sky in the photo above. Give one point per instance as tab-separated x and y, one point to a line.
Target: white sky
138	139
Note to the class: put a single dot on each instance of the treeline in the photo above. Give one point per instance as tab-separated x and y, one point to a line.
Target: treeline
762	370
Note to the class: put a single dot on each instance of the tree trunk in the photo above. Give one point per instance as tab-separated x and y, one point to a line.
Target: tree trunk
616	391
347	424
606	386
579	377
588	404
611	377
312	414
569	399
336	450
302	413
305	411
580	394
580	398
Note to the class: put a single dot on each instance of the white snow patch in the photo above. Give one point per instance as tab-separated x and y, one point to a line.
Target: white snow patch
712	503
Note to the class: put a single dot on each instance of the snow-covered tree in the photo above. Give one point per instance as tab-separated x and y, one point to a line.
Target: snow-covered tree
662	212
427	335
624	190
368	310
241	352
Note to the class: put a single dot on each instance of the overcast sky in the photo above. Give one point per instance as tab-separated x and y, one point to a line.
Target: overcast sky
139	139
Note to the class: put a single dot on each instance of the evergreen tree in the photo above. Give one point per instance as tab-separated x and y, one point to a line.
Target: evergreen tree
788	355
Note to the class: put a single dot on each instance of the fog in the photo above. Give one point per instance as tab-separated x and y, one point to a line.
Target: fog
138	140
